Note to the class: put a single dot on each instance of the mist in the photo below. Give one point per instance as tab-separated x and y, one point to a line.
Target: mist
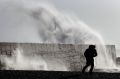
40	22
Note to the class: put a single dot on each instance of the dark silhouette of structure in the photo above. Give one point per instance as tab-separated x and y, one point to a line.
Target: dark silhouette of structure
89	54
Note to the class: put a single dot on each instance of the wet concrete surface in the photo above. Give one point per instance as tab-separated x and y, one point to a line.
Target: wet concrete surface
22	74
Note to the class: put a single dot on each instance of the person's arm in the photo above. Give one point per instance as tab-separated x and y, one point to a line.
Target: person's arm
95	53
85	52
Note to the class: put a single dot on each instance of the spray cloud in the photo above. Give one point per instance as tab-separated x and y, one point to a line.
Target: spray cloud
35	21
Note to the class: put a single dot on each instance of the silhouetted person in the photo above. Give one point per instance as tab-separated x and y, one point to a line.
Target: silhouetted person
89	54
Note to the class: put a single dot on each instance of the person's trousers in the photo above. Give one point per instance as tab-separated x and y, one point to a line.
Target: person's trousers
89	63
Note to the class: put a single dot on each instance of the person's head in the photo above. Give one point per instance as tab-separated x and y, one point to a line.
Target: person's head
92	46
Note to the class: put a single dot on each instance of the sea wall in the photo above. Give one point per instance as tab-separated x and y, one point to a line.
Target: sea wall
70	55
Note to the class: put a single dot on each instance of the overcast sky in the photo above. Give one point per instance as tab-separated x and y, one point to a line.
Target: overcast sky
102	15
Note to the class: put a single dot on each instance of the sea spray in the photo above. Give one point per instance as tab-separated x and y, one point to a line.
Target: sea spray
36	21
20	62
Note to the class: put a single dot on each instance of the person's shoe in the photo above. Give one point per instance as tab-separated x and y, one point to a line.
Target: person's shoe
90	73
83	71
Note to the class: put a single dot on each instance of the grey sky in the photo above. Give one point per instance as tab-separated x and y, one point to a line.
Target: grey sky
102	15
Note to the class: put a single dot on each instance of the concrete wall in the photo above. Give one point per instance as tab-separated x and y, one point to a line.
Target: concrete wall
71	55
118	61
